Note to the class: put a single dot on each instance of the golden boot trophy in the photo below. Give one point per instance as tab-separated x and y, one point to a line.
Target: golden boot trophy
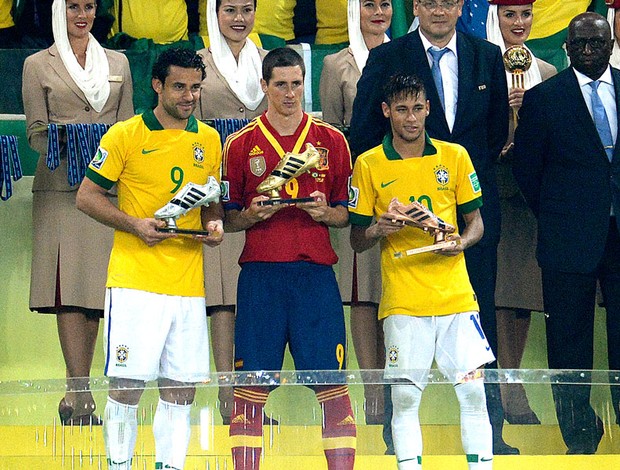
419	216
290	166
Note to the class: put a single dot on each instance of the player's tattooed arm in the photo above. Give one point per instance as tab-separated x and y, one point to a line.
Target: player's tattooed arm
474	229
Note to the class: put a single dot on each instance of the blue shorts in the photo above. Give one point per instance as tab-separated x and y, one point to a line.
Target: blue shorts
296	303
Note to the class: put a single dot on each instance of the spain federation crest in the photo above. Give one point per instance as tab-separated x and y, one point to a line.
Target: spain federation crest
258	165
199	152
442	175
324	161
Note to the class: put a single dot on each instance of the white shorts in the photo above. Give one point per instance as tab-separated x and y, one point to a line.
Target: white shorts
148	336
456	342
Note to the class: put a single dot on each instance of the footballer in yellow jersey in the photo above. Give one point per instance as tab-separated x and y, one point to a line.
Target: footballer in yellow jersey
155	322
428	304
444	180
150	164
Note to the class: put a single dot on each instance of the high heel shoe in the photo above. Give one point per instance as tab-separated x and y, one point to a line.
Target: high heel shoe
65	412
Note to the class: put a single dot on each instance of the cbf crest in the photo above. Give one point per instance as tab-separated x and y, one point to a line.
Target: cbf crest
122	354
258	165
392	354
442	175
199	152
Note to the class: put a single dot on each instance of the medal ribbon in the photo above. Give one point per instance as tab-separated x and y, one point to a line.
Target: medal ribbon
225	127
9	157
53	149
274	142
86	139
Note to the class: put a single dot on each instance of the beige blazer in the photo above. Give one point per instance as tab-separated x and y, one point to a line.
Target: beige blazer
51	96
338	86
217	100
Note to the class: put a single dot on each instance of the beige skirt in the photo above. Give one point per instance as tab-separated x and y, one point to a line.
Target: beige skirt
221	265
70	246
367	271
519	283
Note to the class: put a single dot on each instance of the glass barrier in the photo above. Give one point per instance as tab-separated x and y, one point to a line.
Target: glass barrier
33	437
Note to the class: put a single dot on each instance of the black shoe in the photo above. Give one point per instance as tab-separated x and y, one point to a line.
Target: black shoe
65	412
589	446
501	448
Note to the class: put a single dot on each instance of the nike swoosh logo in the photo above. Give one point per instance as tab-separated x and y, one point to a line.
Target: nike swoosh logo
486	460
144	151
385	185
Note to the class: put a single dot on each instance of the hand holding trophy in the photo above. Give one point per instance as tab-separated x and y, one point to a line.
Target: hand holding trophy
517	61
290	166
419	216
189	197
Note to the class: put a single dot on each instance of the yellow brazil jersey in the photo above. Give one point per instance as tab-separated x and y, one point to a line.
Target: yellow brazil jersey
6	20
443	179
163	21
150	165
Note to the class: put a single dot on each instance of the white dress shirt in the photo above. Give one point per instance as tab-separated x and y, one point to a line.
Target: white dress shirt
449	67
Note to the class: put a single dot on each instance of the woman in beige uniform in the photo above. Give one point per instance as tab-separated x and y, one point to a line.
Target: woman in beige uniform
519	284
231	89
74	81
359	275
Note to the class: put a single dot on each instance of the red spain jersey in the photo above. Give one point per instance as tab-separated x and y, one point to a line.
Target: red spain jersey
290	234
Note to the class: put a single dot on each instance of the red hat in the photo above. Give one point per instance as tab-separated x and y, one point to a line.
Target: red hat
517	2
612	3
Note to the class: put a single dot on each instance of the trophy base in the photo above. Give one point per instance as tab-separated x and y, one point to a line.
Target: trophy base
277	202
183	231
425	249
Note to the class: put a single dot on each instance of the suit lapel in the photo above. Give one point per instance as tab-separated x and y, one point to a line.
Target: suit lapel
466	68
615	75
59	67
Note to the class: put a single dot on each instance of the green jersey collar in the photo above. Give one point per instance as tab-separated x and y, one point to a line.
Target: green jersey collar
154	125
392	154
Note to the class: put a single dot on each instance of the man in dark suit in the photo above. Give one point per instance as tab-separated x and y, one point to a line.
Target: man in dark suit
468	106
568	168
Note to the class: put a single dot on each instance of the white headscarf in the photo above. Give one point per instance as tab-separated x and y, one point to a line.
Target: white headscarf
530	78
356	39
615	54
93	78
243	77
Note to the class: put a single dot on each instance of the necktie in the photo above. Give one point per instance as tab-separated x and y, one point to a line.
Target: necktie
600	121
437	54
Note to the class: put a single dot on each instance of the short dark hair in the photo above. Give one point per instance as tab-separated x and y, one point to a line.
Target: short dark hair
281	57
185	58
401	86
218	4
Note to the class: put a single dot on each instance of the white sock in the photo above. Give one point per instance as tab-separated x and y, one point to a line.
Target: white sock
476	432
172	430
406	431
120	430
